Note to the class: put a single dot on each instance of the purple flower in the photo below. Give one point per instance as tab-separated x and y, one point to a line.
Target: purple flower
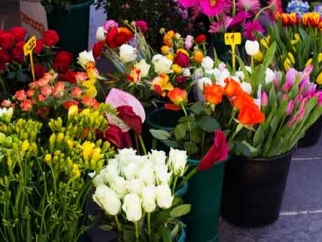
188	42
310	90
251	29
318	94
290	78
110	24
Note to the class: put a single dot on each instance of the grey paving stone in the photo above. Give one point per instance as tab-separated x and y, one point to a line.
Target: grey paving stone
299	228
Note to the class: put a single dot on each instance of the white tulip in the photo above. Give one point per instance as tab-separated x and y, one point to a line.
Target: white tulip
127	53
107	199
85	57
100	33
132	207
252	47
144	68
270	75
246	87
202	82
177	161
148	199
207	63
240	75
249	69
161	64
163	196
213	72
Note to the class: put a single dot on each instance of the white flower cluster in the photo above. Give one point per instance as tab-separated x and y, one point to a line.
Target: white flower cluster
132	183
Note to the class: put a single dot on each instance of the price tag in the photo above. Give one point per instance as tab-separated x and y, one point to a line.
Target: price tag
27	50
233	39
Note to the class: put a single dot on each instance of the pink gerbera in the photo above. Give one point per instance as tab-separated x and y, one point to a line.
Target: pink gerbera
212	8
239	19
251	29
252	6
220	27
188	3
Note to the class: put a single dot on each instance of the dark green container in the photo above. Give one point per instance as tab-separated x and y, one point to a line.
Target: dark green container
204	195
72	26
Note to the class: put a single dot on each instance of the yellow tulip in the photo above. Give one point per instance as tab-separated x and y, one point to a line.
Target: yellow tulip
296	39
264	42
259	56
319	79
309	61
319	57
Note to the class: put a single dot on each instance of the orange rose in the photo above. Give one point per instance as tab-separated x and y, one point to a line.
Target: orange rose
178	96
250	115
232	87
242	99
213	93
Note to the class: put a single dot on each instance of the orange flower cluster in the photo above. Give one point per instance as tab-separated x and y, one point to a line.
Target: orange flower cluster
249	113
308	19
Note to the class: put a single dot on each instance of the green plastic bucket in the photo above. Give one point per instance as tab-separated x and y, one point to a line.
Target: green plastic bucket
204	195
72	27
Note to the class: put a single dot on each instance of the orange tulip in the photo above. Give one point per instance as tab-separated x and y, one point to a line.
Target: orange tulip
232	87
213	93
250	115
242	99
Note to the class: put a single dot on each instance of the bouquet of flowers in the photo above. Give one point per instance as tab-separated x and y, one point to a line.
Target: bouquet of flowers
298	39
142	195
15	72
44	179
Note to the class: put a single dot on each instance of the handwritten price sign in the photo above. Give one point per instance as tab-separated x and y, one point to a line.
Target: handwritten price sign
233	39
27	50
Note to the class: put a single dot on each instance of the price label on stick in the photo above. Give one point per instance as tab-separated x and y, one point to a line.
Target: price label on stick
27	50
233	39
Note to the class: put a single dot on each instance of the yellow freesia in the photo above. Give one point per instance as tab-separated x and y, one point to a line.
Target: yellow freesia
319	57
319	79
289	62
295	39
309	62
264	41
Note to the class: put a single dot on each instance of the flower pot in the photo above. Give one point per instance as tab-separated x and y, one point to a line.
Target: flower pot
71	26
312	135
253	189
161	118
204	195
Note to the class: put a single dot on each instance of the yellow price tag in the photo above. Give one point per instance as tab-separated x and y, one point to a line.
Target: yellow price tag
233	39
27	50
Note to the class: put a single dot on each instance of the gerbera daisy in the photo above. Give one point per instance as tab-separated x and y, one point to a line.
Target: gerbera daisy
252	6
251	29
220	27
212	8
239	18
188	3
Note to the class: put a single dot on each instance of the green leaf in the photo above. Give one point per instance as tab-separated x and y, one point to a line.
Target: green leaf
106	227
207	123
41	238
180	131
162	217
128	235
258	136
166	234
270	53
197	108
180	210
171	143
160	134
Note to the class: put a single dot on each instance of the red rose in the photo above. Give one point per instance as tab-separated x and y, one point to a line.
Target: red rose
200	38
98	48
17	52
39	71
39	46
62	62
4	58
116	37
6	39
19	33
181	59
50	38
68	77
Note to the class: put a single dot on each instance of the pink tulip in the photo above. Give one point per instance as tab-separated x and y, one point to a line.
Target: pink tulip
290	107
264	99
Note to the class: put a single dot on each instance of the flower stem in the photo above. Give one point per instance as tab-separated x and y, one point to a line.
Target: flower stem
174	184
149	225
118	225
187	177
142	144
136	231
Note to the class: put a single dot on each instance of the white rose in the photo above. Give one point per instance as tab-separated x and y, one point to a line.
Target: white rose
148	199
270	75
127	53
162	175
129	171
157	157
207	63
125	156
246	87
186	72
161	64
177	161
109	173
202	82
146	174
100	33
135	186
119	186
144	68
132	207
98	180
163	196
85	57
107	199
251	47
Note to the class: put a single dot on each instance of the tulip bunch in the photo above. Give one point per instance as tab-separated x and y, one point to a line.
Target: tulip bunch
44	177
299	40
145	191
